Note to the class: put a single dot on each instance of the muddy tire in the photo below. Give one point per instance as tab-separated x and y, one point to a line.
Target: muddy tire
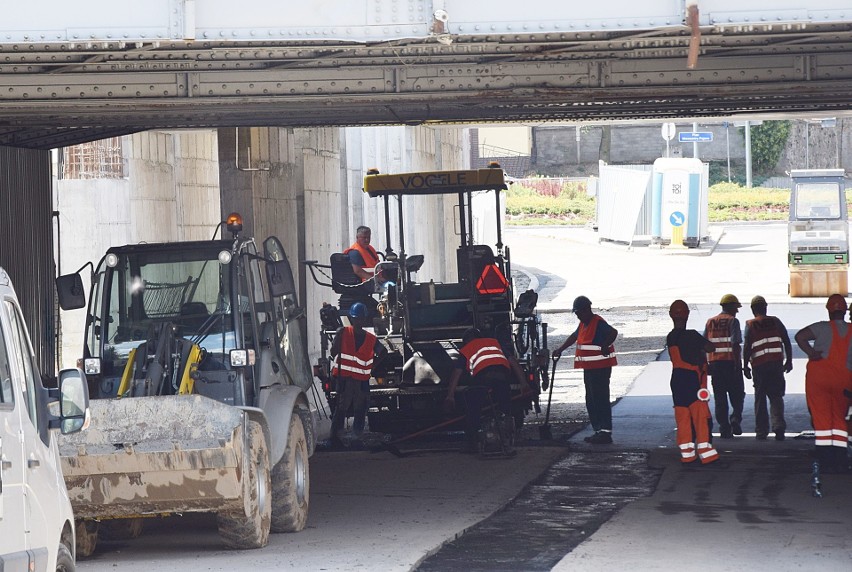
291	483
249	528
121	528
64	560
87	537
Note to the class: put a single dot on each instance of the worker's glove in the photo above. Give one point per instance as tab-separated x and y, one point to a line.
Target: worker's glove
788	367
605	352
747	372
704	394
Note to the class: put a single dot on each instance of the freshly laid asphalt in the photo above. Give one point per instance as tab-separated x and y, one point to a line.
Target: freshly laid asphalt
633	504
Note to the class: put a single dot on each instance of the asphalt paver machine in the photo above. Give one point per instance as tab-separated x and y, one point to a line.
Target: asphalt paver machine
421	321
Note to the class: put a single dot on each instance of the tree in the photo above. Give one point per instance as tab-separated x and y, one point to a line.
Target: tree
767	143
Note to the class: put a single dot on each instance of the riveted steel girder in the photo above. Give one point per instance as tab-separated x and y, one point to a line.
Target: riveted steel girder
173	64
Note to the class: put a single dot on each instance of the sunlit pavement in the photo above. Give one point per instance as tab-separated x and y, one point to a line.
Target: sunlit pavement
754	509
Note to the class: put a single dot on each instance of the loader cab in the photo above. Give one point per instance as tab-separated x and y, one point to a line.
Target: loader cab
186	317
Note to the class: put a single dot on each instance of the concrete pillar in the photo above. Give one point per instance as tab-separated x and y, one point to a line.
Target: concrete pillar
168	192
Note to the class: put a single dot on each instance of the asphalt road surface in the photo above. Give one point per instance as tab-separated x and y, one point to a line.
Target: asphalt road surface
439	510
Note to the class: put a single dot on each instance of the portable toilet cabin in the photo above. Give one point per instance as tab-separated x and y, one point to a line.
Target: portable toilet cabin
678	202
818	233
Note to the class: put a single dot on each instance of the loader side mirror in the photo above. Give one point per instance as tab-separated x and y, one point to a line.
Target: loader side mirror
70	290
280	278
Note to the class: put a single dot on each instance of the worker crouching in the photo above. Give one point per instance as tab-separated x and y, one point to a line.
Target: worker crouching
491	366
687	349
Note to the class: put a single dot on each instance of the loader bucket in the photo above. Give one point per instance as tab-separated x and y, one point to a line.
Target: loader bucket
155	455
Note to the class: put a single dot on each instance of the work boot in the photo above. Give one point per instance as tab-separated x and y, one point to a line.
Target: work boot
735	428
779	436
601	438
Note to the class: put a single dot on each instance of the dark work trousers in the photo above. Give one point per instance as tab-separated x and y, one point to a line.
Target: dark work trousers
597	398
769	384
495	378
350	393
361	411
727	380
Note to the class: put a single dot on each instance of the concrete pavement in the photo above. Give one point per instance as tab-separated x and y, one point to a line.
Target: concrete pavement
752	510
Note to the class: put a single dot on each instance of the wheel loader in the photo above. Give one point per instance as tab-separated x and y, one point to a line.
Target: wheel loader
202	392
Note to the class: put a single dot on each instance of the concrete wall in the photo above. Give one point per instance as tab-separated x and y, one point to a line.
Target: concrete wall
812	146
302	185
555	148
403	150
305	186
171	193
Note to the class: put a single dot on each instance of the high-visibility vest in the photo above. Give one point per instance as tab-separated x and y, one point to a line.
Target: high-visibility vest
482	353
766	341
356	363
719	333
679	363
368	253
586	354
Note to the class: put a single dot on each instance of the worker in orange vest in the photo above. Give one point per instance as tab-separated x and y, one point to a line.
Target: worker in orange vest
723	331
353	350
364	258
767	346
688	351
362	255
826	378
491	366
595	355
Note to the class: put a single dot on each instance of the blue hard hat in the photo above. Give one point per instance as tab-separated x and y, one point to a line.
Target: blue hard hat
358	310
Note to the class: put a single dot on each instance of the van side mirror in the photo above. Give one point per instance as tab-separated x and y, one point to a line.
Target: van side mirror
69	288
73	401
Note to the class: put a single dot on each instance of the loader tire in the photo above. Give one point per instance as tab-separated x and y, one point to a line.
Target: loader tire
291	484
249	527
87	537
121	528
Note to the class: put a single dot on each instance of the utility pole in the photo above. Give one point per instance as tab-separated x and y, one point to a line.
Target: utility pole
695	143
748	153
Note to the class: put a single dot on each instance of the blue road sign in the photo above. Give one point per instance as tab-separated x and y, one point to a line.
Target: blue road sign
677	218
694	136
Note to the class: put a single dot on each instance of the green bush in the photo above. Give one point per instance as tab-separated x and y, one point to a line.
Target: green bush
549	201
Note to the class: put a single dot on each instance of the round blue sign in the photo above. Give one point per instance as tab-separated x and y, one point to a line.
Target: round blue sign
677	218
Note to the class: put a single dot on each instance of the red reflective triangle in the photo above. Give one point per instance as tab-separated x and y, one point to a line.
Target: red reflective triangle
492	281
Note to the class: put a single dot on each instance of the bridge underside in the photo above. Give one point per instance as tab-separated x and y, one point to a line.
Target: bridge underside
57	94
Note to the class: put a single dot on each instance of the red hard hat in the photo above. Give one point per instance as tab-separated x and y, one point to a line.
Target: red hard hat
836	303
678	309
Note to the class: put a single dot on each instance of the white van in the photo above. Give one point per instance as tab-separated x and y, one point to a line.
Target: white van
36	522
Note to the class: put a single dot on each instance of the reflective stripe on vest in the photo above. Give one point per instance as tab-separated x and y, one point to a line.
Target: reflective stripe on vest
482	353
368	253
766	342
719	334
356	363
587	355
